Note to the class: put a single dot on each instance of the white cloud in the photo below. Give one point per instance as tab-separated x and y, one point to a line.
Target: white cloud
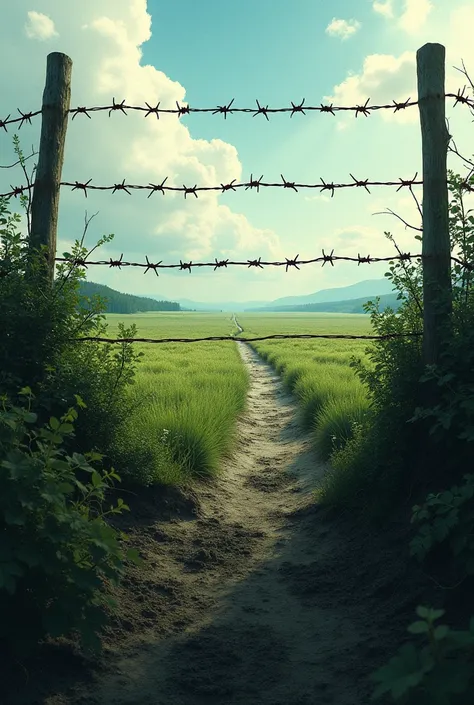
39	26
383	78
415	15
342	28
409	15
104	39
387	77
383	7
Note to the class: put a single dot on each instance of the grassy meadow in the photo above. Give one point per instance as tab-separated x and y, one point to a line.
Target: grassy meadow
331	397
188	396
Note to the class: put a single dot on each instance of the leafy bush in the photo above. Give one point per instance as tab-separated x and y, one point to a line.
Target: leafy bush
447	516
57	554
439	673
443	669
413	445
40	346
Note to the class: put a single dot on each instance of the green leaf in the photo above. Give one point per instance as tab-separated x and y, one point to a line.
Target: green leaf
96	479
419	628
79	401
54	423
25	392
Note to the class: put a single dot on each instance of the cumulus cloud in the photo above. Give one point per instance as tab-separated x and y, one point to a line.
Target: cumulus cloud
383	77
342	28
410	15
415	15
39	26
387	77
104	39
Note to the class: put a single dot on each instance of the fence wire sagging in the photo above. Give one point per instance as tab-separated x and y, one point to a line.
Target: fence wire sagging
277	336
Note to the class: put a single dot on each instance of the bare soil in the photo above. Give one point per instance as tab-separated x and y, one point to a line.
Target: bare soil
250	592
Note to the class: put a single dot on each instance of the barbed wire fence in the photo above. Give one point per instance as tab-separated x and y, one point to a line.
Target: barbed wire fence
436	255
256	184
459	97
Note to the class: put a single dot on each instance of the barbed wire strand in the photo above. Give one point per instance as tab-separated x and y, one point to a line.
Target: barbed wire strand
219	264
226	109
300	336
231	186
256	184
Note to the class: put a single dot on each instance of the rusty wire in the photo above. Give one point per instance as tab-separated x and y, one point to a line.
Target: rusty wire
226	109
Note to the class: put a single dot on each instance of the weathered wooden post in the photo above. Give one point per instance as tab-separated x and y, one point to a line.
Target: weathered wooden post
45	201
436	250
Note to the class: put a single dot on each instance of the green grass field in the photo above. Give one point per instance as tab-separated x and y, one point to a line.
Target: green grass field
318	372
188	396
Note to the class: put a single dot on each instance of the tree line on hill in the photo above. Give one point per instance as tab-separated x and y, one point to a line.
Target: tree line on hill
116	302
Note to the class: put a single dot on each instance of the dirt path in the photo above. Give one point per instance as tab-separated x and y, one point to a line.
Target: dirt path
249	595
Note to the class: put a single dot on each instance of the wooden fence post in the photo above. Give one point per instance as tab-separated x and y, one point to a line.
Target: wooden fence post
436	250
45	201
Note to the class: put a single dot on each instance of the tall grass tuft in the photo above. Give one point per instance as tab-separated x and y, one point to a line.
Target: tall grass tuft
336	421
186	402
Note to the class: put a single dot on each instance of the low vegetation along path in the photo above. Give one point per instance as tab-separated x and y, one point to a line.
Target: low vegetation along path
248	593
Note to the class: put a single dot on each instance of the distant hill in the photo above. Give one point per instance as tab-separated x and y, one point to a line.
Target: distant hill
365	289
126	303
347	306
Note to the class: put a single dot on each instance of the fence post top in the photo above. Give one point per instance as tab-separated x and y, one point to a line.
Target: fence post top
431	46
58	56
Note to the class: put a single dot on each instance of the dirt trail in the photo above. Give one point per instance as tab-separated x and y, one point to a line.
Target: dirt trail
248	593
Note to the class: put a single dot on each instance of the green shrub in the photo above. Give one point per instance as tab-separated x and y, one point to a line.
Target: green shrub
57	554
439	673
41	325
434	422
447	517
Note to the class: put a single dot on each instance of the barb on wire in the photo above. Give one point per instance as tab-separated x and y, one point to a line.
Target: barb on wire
86	186
227	109
288	262
302	336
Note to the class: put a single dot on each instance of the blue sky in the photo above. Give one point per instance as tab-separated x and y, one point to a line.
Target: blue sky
206	53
